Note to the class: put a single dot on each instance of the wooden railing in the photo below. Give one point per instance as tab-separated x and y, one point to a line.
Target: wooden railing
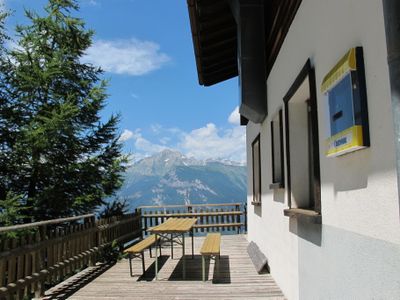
226	217
50	251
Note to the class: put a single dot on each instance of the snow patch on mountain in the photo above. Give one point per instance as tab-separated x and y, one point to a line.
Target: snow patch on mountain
169	177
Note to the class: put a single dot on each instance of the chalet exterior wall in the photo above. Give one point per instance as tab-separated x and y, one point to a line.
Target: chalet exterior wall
355	252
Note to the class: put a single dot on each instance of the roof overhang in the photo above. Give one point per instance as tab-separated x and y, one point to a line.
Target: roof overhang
214	39
214	33
240	37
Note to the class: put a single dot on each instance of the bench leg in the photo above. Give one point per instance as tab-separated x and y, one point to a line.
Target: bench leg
159	246
203	267
144	269
217	266
130	264
150	252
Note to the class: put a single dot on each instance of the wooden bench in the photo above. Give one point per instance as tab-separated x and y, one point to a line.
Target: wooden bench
210	248
137	250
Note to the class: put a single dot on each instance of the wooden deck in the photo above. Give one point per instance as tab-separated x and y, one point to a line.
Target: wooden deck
237	278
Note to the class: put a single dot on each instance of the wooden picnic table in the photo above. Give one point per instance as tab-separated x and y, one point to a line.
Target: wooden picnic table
174	230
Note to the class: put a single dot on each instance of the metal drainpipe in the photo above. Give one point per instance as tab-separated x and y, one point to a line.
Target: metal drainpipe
391	11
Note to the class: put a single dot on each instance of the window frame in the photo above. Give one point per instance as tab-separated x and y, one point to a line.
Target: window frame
277	184
315	211
257	141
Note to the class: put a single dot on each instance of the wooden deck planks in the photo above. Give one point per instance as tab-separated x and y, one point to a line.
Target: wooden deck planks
237	277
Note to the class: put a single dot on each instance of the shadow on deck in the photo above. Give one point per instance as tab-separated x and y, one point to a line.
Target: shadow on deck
236	279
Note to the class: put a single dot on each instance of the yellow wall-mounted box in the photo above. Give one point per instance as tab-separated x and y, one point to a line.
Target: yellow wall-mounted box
345	89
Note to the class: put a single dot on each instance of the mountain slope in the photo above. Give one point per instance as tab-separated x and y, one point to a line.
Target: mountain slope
169	178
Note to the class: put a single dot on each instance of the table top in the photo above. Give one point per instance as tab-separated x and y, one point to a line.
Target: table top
174	225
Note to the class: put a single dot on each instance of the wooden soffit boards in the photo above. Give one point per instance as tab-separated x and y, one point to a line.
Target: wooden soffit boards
278	15
214	33
214	39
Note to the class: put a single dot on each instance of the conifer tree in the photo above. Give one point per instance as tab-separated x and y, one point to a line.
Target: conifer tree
11	206
55	151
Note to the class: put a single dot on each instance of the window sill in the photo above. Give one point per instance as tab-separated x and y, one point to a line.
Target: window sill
276	186
255	203
304	214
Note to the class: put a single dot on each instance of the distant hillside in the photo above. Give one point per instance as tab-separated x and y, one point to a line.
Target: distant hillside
169	177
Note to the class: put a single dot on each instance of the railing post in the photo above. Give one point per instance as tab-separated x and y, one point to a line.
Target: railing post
245	216
138	212
98	232
238	218
145	220
91	238
41	236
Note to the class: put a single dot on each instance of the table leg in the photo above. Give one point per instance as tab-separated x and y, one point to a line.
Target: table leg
157	257
217	267
183	257
192	231
203	267
130	264
172	247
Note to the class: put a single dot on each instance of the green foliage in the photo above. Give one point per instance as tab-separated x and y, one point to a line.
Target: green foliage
111	253
11	210
114	208
54	149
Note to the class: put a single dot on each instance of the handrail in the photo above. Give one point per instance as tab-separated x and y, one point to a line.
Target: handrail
190	205
43	223
210	217
193	214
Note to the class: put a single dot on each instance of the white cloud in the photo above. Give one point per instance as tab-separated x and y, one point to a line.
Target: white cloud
165	140
130	57
234	117
148	147
126	135
156	128
212	142
207	142
134	96
144	145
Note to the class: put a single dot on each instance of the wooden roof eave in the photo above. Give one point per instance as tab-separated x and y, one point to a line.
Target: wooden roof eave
214	41
196	42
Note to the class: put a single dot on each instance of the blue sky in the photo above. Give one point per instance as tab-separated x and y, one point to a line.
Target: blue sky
146	49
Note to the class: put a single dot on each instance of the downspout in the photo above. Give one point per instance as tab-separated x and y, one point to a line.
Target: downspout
249	17
391	11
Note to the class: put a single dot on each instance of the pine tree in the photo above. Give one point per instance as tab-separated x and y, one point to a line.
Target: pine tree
56	152
11	205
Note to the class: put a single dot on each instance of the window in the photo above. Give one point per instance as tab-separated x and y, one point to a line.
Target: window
256	159
302	147
277	152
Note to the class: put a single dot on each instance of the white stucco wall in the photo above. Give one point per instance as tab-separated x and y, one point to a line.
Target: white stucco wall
356	252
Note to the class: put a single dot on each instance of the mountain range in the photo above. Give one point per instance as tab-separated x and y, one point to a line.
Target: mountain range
170	178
